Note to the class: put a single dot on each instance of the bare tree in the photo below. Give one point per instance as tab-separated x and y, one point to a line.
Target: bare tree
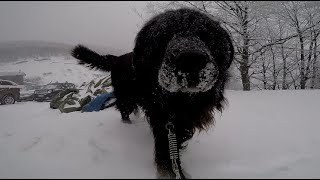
239	24
312	16
314	66
271	39
305	27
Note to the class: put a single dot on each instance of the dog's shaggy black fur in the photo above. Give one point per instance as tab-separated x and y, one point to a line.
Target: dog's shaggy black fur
122	76
177	73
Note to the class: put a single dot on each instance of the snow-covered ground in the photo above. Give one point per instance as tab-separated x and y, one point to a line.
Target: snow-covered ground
260	134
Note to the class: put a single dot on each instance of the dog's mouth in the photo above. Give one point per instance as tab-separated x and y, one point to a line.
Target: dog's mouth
188	66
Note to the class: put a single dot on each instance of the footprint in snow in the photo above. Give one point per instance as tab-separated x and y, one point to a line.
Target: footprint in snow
35	141
99	153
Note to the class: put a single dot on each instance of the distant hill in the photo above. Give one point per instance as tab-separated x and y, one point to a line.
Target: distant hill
15	50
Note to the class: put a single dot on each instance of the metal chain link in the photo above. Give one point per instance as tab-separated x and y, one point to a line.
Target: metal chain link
173	149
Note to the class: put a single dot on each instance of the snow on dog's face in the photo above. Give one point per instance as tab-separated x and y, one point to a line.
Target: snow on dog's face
188	66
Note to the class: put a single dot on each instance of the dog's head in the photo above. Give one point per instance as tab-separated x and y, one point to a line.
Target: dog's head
189	49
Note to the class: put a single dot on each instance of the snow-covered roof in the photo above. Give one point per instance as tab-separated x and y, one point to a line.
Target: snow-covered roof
12	73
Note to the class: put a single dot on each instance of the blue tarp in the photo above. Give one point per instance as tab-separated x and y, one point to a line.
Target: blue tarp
98	103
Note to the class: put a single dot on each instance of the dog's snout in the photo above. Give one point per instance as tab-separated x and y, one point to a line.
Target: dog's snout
188	65
191	61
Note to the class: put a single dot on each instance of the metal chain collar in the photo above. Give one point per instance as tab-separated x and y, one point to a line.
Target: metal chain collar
173	149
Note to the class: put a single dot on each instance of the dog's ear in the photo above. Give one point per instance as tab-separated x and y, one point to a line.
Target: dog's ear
91	58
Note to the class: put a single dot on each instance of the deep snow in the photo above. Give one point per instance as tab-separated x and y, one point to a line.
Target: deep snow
260	134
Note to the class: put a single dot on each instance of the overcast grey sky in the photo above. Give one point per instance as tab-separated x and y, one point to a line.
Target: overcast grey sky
102	23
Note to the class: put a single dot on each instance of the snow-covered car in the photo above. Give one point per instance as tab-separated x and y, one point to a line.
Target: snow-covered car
9	92
26	95
47	92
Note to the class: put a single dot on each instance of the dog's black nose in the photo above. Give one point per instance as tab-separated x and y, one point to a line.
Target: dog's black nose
191	61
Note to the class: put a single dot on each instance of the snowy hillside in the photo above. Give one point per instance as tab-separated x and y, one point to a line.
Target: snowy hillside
260	134
51	69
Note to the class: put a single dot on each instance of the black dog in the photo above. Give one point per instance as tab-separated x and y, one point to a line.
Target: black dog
122	76
177	74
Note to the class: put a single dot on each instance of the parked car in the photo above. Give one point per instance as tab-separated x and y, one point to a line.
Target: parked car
26	95
47	92
9	92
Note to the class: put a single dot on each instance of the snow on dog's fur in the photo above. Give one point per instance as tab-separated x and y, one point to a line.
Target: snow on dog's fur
176	72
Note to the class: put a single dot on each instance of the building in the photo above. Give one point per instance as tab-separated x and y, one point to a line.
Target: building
17	77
